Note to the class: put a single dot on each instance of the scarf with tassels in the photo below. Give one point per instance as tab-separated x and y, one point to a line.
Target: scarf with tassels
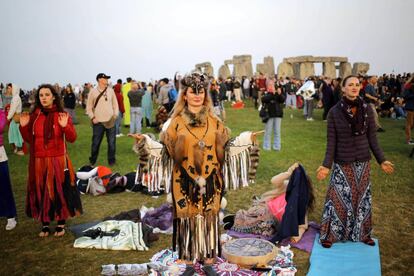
48	132
357	120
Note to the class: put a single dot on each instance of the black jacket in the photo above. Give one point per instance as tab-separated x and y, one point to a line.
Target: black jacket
297	198
343	147
274	104
69	100
409	98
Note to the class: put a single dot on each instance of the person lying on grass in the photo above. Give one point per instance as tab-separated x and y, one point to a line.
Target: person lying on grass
266	216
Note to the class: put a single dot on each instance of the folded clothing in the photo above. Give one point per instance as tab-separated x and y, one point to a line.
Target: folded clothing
161	217
130	237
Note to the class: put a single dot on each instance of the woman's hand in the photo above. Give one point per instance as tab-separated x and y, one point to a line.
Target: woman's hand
138	137
386	166
293	167
63	119
24	119
253	136
322	172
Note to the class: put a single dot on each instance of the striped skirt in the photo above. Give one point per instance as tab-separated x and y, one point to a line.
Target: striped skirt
347	211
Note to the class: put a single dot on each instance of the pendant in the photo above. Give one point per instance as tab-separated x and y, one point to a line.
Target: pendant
201	144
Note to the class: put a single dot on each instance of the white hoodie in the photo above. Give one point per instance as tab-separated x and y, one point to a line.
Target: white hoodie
16	102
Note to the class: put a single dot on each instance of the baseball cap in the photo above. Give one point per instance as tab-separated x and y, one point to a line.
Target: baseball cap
102	76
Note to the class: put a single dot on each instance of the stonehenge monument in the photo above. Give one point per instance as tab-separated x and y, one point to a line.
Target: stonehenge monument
302	67
242	66
206	68
299	67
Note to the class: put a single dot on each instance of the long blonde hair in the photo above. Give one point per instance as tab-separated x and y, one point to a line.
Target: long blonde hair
181	103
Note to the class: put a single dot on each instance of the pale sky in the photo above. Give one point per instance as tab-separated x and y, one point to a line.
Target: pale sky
71	41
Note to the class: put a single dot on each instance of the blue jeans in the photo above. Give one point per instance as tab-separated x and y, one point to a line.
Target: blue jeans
136	117
273	125
291	101
118	123
98	132
308	109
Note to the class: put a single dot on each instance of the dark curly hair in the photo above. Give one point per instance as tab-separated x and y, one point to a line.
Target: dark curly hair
57	101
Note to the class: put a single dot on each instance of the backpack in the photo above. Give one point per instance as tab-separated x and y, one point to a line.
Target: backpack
264	113
82	184
172	95
96	186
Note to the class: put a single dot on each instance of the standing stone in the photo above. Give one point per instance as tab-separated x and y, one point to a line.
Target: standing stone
238	70
345	69
360	68
296	69
267	67
270	65
306	69
243	66
329	69
261	68
224	72
284	70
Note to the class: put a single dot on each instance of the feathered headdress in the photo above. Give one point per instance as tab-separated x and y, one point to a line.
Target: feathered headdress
196	81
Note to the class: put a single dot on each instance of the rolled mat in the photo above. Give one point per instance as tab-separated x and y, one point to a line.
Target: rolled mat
345	258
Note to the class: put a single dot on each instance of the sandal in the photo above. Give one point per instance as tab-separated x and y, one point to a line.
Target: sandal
189	271
369	241
45	232
209	270
60	230
326	243
229	218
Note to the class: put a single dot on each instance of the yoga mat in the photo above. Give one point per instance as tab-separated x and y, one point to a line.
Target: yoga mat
345	258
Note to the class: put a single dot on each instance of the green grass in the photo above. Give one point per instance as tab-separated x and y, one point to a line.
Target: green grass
23	253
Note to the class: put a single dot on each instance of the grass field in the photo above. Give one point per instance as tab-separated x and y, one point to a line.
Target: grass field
23	253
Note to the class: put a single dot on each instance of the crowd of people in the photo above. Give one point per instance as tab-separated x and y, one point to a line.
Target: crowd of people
389	95
195	104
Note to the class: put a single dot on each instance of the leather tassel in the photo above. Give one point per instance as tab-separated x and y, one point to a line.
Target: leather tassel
179	149
221	139
198	155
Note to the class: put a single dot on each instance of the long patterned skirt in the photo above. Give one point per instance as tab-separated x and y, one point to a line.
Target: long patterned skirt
51	191
347	210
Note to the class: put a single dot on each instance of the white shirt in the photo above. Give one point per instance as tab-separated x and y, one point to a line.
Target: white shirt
3	155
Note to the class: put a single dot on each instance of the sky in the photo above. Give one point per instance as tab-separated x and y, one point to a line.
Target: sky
49	41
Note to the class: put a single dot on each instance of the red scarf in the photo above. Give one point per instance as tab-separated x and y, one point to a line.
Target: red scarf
48	132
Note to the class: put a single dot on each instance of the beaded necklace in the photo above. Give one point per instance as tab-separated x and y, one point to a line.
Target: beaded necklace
201	142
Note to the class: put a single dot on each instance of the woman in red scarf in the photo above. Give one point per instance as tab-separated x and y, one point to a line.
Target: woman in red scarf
51	190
